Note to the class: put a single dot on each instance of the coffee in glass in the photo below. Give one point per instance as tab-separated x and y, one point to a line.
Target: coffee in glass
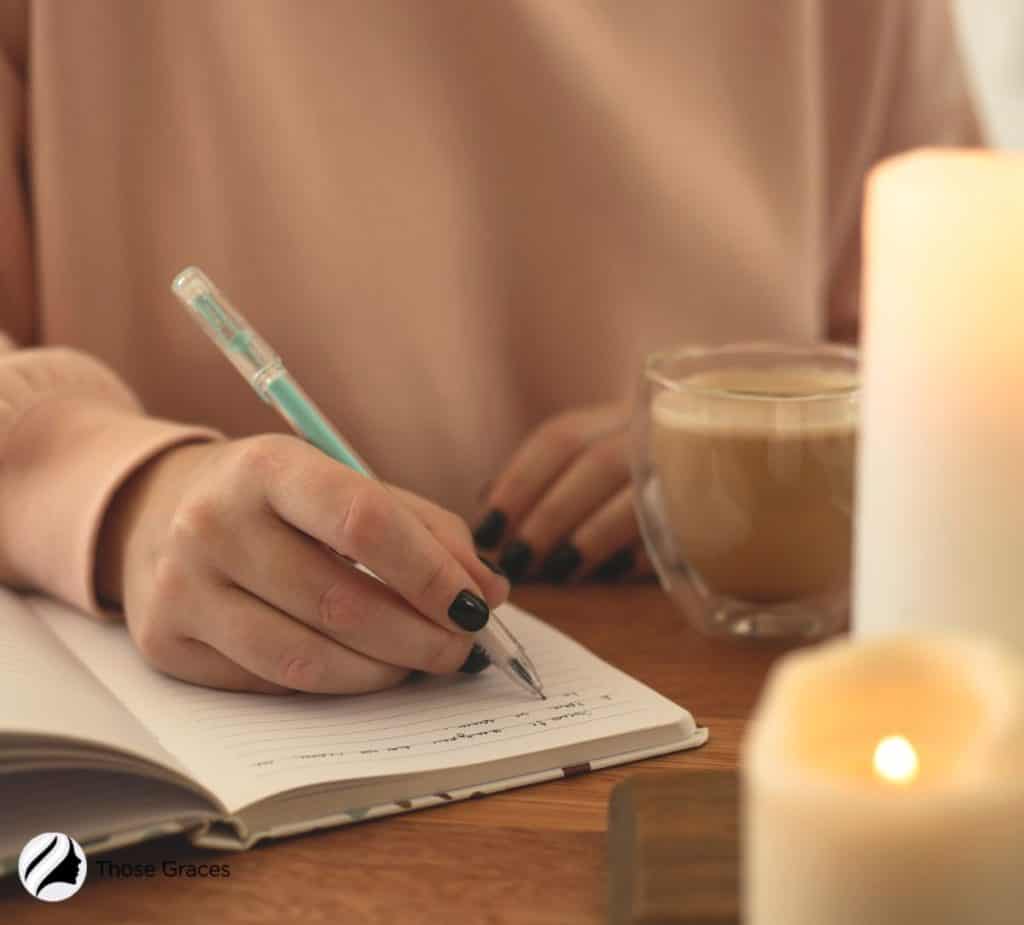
743	464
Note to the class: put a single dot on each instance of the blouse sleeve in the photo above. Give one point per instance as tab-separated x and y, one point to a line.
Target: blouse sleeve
71	432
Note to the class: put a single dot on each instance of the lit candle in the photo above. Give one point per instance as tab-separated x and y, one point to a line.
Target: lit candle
883	784
895	760
940	492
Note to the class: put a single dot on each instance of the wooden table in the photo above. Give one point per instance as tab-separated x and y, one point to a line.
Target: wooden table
534	855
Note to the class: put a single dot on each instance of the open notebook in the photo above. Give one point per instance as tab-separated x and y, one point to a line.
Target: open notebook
96	744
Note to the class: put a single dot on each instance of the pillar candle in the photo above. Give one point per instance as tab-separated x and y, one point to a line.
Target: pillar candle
939	524
883	784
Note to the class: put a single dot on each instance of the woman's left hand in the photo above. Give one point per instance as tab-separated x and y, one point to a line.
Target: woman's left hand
563	507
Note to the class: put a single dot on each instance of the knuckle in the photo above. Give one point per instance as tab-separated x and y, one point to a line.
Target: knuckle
337	612
301	671
454	526
170	579
263	454
433	580
151	638
196	522
149	622
364	519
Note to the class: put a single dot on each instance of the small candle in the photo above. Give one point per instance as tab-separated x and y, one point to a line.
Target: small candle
939	520
883	784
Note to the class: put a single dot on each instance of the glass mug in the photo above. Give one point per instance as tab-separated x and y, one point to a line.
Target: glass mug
743	461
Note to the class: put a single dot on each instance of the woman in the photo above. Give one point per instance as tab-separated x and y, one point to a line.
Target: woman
462	224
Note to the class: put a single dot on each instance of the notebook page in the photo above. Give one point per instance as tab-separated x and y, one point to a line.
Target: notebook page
45	690
94	807
245	747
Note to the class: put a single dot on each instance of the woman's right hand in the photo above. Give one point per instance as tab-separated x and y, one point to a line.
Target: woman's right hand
225	559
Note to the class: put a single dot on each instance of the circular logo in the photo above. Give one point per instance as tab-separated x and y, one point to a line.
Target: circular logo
52	867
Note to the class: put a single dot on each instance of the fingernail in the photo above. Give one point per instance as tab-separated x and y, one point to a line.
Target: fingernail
516	559
469	611
476	661
497	569
616	566
491	528
561	563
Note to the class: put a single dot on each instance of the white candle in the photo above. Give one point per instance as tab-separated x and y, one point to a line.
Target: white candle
883	784
940	494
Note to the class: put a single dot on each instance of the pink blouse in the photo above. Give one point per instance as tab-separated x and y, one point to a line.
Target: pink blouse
452	218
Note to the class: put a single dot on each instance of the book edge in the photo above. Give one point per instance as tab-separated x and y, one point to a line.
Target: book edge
218	835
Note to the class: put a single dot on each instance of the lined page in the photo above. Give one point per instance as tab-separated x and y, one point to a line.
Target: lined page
45	690
245	747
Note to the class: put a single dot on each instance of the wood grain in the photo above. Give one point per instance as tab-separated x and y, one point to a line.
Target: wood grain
532	855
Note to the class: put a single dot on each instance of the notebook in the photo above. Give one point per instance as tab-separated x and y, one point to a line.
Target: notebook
95	743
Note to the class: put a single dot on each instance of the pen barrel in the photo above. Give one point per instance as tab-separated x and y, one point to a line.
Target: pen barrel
498	642
276	386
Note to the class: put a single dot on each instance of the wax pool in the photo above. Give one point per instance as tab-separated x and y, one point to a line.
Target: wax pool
883	784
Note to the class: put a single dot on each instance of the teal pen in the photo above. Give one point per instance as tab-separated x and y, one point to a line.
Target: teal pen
263	369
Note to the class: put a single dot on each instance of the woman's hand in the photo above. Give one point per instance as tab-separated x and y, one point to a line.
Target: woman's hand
226	559
563	506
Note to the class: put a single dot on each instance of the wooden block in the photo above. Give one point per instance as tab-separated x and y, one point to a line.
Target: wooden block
673	849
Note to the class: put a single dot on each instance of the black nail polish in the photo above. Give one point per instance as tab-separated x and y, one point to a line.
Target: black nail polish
476	661
469	611
561	563
497	569
616	566
489	532
516	559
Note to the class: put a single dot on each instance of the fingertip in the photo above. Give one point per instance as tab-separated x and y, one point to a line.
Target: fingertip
616	566
496	569
469	611
490	530
476	661
515	560
498	596
563	561
493	581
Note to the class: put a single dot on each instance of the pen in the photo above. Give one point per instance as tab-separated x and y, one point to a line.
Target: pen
263	369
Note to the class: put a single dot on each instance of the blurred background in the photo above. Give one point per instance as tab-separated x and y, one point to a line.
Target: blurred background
993	42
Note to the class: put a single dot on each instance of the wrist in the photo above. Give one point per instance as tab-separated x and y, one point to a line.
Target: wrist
139	502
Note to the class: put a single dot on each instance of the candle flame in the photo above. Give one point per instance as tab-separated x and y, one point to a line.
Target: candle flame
896	760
